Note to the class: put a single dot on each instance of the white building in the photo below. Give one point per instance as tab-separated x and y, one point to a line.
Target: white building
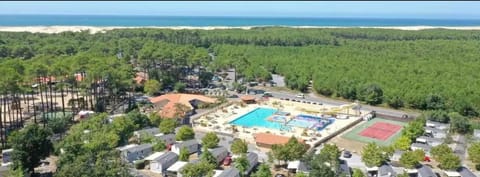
436	133
430	141
191	145
174	170
160	163
6	156
437	125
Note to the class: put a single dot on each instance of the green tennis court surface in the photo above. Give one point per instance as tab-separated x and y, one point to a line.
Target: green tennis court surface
355	134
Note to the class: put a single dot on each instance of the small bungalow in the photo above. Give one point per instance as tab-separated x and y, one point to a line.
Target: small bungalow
169	139
297	166
436	133
386	171
148	131
162	162
425	147
425	171
252	161
174	170
138	152
191	145
437	125
429	140
219	153
230	172
6	156
248	99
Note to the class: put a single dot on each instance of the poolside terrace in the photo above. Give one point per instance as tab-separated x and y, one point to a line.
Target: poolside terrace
295	115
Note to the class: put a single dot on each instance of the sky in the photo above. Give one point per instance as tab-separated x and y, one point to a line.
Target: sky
365	9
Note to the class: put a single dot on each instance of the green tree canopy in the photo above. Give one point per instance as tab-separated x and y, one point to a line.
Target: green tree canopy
241	163
239	146
411	159
168	125
198	170
474	152
372	155
263	171
30	145
402	143
152	86
210	140
184	154
185	133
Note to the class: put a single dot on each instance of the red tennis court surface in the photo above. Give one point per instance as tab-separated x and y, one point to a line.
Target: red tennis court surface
380	130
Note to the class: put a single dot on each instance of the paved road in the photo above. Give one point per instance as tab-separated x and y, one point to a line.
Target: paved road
330	101
460	143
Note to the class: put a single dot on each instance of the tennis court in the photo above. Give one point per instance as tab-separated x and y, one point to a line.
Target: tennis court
381	131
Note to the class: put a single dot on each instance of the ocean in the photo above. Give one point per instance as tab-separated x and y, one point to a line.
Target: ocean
167	21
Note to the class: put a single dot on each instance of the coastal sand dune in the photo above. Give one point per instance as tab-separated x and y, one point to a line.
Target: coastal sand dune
93	29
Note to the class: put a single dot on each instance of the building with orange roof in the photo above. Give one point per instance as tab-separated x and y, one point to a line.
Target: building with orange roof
267	140
169	103
248	99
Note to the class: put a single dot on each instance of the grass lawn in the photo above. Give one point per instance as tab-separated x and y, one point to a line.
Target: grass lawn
354	133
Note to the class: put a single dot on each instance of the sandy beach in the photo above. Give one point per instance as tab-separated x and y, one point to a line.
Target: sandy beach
94	29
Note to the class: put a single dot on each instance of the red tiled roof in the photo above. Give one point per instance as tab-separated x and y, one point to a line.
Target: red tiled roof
271	139
247	98
169	109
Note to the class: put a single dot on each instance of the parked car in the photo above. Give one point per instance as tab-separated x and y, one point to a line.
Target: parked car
227	161
347	154
280	175
301	95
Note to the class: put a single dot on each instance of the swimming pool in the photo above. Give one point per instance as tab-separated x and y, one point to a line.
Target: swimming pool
258	118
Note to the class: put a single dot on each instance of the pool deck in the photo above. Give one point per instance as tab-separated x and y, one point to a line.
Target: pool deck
219	121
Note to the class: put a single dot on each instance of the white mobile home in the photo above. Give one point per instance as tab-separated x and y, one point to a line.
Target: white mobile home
418	146
175	169
191	145
162	162
437	125
138	152
429	140
436	133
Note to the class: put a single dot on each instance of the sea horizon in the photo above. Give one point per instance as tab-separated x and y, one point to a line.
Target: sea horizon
25	20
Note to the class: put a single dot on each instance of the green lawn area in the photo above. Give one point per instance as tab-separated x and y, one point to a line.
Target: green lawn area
354	134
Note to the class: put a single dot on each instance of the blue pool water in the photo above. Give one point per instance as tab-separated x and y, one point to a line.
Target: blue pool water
300	123
257	118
